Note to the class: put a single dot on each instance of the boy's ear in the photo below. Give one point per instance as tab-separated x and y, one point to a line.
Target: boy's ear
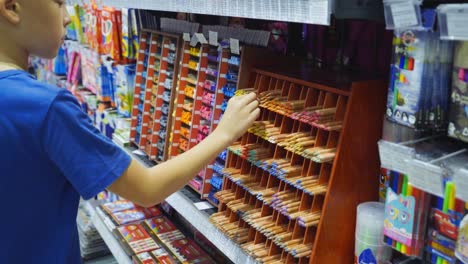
10	10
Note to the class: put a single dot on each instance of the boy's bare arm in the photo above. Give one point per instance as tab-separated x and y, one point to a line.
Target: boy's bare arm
151	186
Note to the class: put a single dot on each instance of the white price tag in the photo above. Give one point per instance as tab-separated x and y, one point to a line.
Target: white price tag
186	36
201	38
235	48
404	15
203	206
213	38
457	26
194	41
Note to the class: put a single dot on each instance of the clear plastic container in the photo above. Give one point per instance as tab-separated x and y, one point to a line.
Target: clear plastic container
369	221
380	251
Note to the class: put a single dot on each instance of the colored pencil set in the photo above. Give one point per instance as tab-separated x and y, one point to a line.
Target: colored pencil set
406	214
420	80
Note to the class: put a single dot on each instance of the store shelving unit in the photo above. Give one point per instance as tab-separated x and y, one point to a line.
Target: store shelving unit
154	89
282	197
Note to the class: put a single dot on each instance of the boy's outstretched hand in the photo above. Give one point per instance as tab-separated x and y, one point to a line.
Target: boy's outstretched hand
240	114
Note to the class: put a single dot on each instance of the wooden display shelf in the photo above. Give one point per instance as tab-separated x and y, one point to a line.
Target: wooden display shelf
136	135
167	85
293	182
152	114
189	101
148	103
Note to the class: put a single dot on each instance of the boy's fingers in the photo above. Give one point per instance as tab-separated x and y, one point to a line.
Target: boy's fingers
252	106
254	115
248	98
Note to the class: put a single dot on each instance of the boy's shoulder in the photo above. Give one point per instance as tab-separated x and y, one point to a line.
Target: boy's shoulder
21	87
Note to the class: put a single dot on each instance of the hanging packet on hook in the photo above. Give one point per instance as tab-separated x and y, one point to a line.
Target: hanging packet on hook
111	32
419	82
96	24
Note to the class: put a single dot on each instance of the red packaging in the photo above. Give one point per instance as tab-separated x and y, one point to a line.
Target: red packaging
143	258
134	215
96	32
136	239
118	206
188	251
160	225
110	25
163	256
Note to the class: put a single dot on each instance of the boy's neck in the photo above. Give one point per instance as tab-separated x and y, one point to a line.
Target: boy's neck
13	58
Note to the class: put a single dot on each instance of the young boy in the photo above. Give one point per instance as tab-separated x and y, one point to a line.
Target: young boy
51	154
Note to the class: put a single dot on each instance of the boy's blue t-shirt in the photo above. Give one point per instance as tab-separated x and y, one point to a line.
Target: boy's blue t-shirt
50	154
